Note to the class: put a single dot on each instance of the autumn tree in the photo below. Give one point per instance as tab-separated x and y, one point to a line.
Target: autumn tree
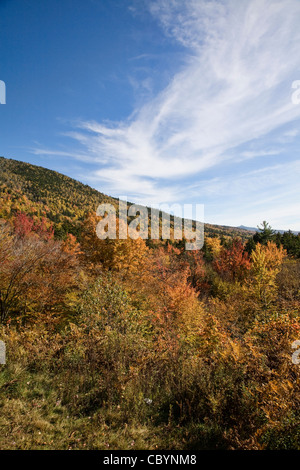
25	225
266	263
213	246
35	275
197	277
119	255
233	263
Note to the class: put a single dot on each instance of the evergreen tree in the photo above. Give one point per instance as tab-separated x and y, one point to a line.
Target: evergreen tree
265	234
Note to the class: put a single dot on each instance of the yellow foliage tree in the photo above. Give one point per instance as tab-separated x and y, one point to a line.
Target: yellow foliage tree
266	262
112	254
214	245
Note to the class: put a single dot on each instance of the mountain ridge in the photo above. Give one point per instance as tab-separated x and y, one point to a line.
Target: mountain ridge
64	200
253	229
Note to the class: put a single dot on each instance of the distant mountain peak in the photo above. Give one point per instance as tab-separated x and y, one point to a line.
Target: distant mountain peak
252	229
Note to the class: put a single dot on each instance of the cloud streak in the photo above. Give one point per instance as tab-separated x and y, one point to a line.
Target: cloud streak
233	88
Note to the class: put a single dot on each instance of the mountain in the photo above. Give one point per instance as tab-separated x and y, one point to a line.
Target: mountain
252	229
63	200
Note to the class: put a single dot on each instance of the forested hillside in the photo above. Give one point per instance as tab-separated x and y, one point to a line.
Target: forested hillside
38	191
123	344
63	200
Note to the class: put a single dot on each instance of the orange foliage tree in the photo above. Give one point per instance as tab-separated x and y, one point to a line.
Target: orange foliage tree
233	263
35	274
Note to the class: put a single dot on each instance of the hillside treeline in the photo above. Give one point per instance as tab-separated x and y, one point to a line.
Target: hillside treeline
63	200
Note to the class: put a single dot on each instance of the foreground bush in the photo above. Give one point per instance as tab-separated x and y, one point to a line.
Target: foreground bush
114	379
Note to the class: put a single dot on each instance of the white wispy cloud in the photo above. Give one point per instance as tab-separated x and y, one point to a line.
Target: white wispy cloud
234	87
269	193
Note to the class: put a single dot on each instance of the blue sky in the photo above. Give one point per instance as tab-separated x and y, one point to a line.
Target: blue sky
162	101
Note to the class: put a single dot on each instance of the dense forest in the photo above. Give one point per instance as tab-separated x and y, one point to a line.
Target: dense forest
139	344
